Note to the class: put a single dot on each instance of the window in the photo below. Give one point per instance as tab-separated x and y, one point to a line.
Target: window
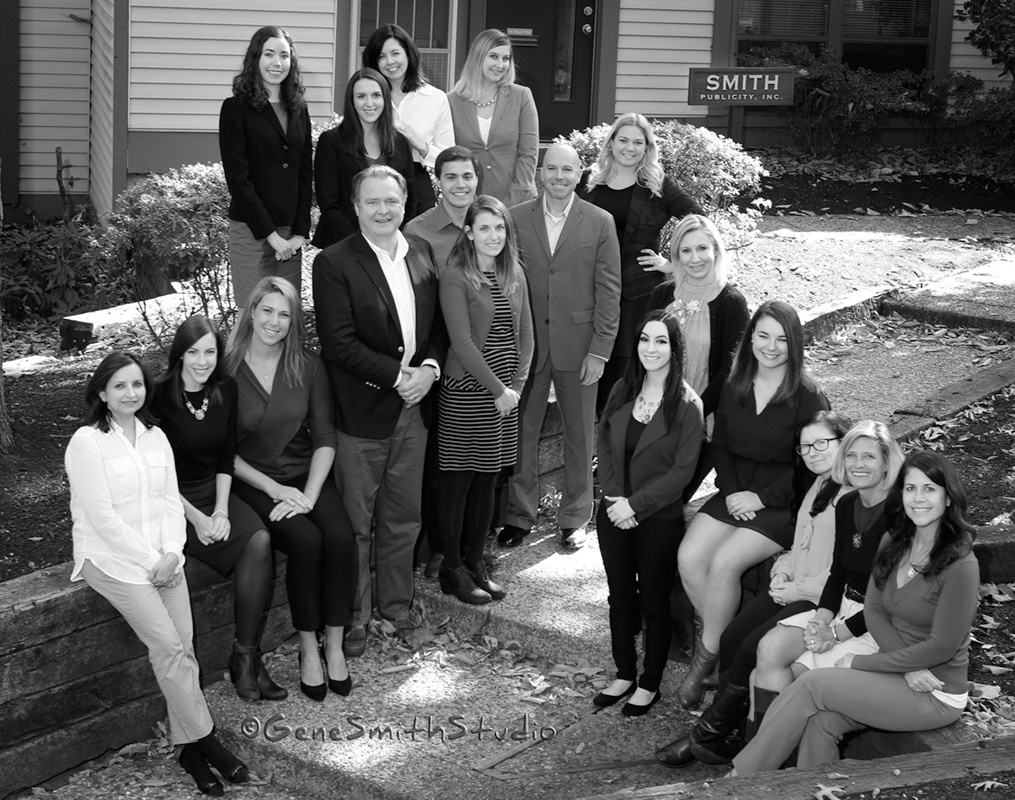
427	21
881	35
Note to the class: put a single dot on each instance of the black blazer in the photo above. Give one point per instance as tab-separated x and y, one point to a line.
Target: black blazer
646	219
334	170
269	171
662	463
361	340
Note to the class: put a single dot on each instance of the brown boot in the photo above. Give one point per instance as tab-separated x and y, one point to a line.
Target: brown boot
458	581
481	575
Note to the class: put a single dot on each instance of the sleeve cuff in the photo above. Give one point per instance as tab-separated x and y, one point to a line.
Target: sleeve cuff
429	362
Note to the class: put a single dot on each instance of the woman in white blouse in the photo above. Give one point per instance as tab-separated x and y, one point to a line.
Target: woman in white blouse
422	113
129	533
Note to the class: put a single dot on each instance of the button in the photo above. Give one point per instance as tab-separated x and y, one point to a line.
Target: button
285	165
489	167
285	147
401	349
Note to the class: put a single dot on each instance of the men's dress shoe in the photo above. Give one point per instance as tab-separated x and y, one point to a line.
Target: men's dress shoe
355	643
511	536
604	700
573	538
632	710
433	565
677	753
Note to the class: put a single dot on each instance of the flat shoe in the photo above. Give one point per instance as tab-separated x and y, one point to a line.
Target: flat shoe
604	700
632	710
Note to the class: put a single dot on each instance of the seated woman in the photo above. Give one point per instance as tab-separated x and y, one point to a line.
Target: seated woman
869	463
797	580
365	136
649	437
285	442
129	533
485	301
766	397
195	403
920	605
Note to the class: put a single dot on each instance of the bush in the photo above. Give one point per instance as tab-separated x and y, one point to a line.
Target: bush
714	170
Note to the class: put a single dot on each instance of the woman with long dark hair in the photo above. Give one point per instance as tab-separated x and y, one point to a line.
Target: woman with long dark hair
422	113
649	436
129	534
920	605
366	136
267	155
195	402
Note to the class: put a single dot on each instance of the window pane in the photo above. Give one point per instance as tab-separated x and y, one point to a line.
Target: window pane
429	24
790	18
885	57
886	19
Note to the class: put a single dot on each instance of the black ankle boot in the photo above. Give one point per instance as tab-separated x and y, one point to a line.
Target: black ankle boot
763	698
677	753
712	739
228	765
481	575
243	671
691	689
458	581
195	765
269	689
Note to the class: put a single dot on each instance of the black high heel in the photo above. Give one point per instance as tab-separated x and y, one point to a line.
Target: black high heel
342	687
228	765
195	765
317	692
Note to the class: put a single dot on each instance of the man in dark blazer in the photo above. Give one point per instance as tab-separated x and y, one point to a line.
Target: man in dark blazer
572	260
383	342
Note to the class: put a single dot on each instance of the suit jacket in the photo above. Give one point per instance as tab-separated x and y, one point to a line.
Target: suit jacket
468	313
646	219
361	339
334	170
662	463
508	159
268	171
576	292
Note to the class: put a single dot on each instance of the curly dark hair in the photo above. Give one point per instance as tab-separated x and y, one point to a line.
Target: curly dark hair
414	78
248	85
350	129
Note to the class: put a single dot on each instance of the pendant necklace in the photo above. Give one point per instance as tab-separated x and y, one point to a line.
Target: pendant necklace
197	412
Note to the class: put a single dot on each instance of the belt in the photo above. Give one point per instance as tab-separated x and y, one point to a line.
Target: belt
854	595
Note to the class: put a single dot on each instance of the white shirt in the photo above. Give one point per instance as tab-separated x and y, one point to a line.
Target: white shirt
396	272
427	110
555	224
124	501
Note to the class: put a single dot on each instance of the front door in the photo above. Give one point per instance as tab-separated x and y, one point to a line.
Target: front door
553	43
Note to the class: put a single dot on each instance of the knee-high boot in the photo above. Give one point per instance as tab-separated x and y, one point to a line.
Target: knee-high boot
763	698
712	738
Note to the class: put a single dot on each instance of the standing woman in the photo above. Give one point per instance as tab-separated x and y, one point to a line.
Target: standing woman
267	156
422	113
649	436
129	533
485	302
366	136
628	181
285	449
767	395
195	403
496	119
921	601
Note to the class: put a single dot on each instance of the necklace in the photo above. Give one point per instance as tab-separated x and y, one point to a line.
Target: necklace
197	412
488	103
911	572
263	374
645	409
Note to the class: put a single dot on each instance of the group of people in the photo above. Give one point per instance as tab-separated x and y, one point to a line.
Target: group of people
440	334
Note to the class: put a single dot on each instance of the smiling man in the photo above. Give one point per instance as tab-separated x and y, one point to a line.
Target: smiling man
572	259
383	341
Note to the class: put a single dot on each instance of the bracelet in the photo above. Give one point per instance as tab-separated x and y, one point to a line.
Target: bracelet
835	635
220	511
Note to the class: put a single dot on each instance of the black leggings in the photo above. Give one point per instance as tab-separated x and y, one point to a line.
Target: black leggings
465	513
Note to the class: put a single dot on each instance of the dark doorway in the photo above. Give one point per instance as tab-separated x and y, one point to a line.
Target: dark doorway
553	43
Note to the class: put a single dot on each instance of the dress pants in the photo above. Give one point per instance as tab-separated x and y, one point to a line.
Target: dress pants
162	621
640	564
577	406
810	714
381	482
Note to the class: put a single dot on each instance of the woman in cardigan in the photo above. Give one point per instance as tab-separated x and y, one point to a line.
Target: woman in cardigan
264	139
921	601
422	113
628	181
496	119
195	402
129	532
648	444
285	449
485	302
365	136
767	395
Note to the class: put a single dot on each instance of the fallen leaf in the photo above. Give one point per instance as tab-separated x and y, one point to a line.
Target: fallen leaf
988	785
828	792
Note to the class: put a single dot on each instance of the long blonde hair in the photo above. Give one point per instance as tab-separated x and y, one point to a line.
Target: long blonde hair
293	353
650	173
697	222
470	83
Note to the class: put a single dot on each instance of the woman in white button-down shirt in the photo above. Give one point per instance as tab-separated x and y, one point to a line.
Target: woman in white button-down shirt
129	532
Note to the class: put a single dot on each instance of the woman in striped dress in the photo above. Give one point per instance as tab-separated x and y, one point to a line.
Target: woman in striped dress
485	302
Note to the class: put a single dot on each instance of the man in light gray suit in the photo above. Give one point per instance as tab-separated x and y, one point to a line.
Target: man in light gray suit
572	259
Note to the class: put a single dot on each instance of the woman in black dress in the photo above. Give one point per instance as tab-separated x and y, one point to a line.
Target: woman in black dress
195	402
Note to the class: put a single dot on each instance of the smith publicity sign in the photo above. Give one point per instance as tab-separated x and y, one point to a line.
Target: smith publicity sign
741	87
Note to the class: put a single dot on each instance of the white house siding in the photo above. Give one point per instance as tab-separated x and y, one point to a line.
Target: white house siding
183	57
101	141
966	58
659	41
53	95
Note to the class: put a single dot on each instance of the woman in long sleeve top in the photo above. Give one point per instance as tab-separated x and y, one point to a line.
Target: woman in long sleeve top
921	601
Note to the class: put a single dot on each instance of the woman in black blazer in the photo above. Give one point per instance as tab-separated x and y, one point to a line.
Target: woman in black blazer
267	157
649	437
628	181
365	136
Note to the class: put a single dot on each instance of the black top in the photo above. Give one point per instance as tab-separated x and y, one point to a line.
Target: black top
616	202
634	431
201	448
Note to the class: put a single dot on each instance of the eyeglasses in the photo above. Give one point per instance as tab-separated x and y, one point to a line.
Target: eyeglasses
819	445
